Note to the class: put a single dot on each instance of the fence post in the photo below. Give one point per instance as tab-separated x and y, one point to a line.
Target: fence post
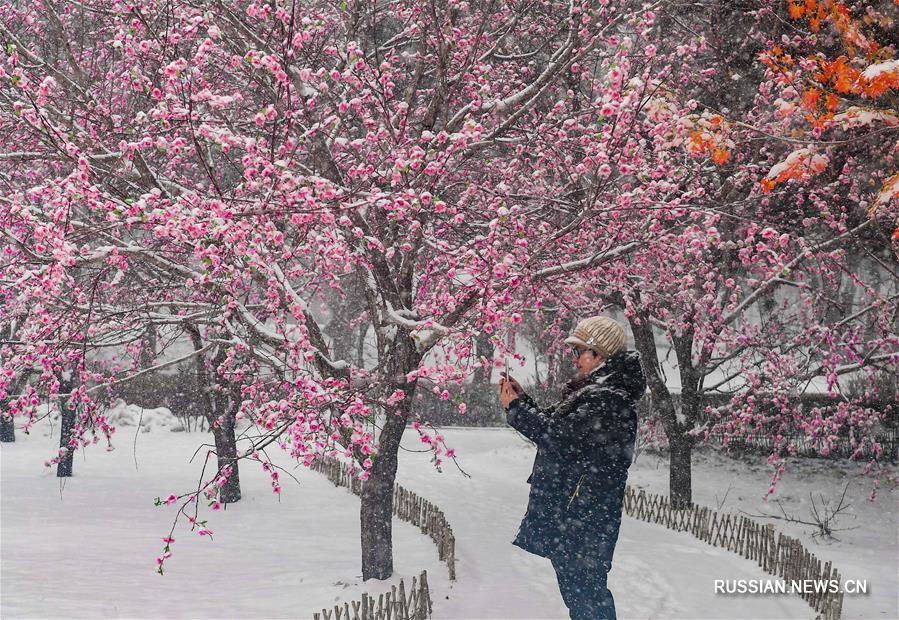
424	598
403	611
365	615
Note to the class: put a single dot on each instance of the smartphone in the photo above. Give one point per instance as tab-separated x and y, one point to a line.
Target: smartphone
517	390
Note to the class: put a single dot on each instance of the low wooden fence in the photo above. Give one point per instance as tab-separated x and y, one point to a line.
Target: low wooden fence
393	605
806	447
776	554
407	506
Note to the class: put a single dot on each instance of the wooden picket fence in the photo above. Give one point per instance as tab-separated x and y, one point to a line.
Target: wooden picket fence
776	554
393	605
407	506
807	447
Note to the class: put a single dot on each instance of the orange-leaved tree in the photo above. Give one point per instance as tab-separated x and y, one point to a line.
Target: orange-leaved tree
839	81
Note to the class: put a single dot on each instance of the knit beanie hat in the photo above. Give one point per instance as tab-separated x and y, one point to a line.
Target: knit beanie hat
599	333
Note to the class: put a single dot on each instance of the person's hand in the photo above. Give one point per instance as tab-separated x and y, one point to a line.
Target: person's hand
509	390
515	385
506	393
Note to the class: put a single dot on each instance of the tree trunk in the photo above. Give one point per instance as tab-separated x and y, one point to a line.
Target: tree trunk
376	511
222	425
376	514
679	462
226	451
7	422
483	348
148	348
680	472
681	444
67	423
7	429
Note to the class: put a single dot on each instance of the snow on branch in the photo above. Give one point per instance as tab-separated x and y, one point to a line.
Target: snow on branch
424	332
585	263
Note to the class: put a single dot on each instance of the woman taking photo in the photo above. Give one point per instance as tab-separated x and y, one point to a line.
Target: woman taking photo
585	444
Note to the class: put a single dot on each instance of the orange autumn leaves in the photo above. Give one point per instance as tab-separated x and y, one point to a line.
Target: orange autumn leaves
709	137
838	92
811	100
824	95
827	10
867	69
800	164
834	80
876	80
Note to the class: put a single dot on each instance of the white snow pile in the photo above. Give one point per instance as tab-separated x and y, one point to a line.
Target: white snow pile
122	414
877	69
856	116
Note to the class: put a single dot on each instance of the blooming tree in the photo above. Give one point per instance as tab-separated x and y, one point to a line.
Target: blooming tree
219	172
208	170
838	78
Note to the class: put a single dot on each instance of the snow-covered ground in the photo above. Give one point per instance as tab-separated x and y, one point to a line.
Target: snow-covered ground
87	548
865	543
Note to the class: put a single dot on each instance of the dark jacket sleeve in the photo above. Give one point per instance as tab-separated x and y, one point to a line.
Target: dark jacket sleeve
527	418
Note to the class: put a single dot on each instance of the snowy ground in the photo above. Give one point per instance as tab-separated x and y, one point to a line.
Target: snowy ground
866	545
87	549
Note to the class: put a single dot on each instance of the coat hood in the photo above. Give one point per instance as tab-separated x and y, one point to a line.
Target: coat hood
623	371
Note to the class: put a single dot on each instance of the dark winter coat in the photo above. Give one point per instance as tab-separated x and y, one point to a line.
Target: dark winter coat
585	444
